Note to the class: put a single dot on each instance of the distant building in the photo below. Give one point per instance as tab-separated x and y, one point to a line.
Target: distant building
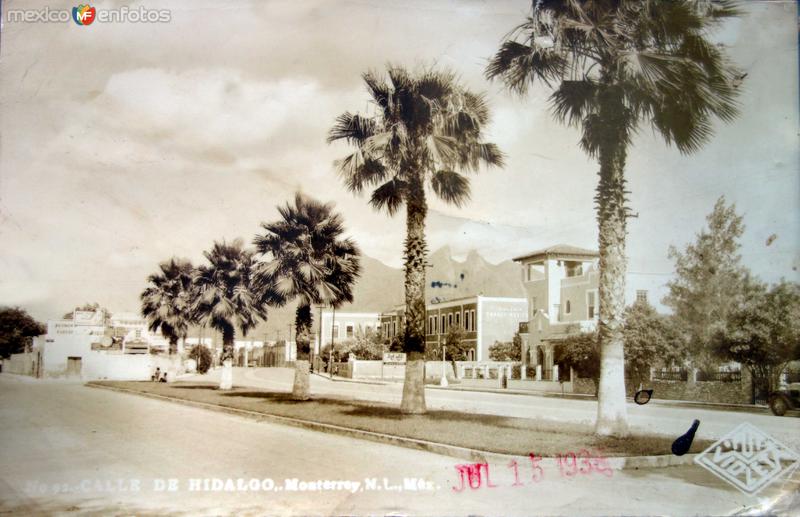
96	345
561	283
485	319
344	325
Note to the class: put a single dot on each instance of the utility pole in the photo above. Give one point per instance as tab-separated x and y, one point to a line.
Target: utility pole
330	351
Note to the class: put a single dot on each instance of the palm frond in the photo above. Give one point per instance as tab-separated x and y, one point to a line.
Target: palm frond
389	196
451	187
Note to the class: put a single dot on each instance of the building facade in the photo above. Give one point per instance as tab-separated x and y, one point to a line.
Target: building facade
561	283
342	326
485	319
96	345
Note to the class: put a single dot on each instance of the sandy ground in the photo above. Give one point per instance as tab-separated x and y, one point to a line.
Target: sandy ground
68	448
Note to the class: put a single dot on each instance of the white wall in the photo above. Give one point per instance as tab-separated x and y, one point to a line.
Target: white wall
55	354
126	367
359	320
498	320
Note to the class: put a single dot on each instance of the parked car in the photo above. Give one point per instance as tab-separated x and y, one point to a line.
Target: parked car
785	399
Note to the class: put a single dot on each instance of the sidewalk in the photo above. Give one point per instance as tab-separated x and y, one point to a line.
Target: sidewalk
746	408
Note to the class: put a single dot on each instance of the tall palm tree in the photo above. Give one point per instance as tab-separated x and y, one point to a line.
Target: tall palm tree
167	301
425	131
229	296
613	65
310	261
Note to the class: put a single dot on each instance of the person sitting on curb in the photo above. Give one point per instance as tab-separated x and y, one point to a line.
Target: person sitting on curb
163	378
157	375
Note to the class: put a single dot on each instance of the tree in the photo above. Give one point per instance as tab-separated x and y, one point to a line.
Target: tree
709	281
426	132
228	296
763	331
309	261
614	65
167	301
88	307
17	329
367	344
202	356
650	340
507	350
581	352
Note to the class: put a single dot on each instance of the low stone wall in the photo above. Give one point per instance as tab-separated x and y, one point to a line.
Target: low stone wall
738	392
22	364
583	386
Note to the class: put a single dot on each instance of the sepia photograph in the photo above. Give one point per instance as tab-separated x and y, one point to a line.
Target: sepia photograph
399	257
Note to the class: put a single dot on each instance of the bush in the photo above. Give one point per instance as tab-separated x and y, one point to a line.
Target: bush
202	356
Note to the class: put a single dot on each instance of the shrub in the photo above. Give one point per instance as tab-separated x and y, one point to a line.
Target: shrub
202	356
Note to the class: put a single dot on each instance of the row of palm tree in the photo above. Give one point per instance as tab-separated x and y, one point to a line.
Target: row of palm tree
301	257
610	66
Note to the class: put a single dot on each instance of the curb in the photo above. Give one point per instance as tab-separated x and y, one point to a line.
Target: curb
342	379
464	453
745	408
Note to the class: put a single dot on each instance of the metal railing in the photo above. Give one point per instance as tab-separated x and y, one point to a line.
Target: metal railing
719	376
671	375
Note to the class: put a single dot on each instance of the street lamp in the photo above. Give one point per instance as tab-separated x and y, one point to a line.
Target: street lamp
443	382
320	306
330	351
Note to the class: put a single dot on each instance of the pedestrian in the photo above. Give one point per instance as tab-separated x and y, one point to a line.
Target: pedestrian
157	375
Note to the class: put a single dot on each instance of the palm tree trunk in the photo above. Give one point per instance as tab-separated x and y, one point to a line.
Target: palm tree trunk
413	401
226	379
301	386
612	417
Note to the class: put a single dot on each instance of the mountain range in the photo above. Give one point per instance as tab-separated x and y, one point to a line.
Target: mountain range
380	287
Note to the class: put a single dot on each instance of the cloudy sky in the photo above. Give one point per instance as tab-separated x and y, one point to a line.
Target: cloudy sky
126	143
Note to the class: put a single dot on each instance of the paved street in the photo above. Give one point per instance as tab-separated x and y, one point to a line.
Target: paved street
96	446
650	418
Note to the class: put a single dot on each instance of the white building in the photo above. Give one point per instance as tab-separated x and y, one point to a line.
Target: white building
93	345
345	325
561	283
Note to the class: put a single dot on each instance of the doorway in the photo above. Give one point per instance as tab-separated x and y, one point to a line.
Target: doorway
74	366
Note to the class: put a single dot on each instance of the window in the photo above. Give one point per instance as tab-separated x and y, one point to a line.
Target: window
591	304
567	308
442	327
394	328
573	268
474	321
458	318
450	320
466	320
534	272
336	330
641	296
349	331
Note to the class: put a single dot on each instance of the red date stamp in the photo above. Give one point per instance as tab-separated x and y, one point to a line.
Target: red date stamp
570	464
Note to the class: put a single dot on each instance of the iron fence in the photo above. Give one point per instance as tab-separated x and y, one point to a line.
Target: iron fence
671	375
720	376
